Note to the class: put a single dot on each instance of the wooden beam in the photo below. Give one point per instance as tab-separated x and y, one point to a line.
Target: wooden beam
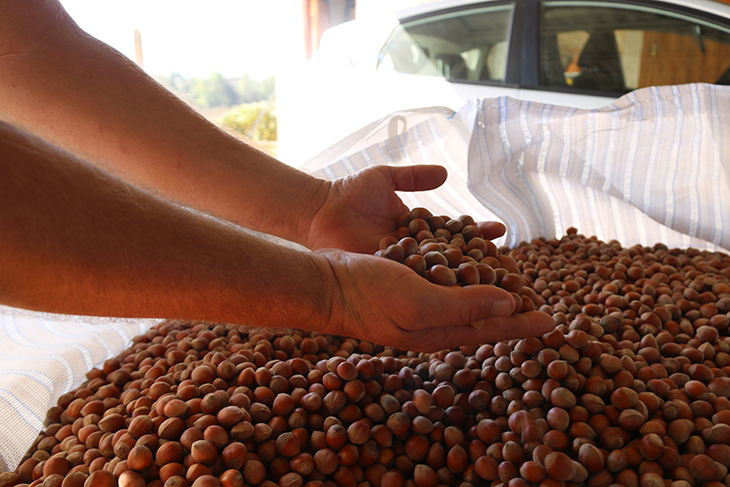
138	48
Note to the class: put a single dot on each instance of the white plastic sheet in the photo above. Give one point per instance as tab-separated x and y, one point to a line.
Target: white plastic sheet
651	167
43	356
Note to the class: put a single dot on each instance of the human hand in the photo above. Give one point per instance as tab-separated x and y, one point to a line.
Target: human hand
387	303
360	209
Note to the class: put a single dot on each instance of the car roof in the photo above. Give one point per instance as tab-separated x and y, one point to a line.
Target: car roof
708	6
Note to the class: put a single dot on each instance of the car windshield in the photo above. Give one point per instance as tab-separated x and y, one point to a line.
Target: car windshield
463	45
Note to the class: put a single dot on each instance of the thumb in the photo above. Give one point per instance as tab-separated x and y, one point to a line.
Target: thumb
422	177
456	306
520	325
492	230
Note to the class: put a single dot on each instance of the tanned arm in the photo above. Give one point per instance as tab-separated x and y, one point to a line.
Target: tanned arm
76	240
71	89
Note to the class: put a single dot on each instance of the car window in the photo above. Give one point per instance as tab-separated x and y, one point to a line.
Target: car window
468	45
619	48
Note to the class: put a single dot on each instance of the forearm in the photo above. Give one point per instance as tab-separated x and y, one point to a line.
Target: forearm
76	240
73	90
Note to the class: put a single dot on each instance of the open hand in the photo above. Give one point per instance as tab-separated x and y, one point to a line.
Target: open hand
360	209
387	303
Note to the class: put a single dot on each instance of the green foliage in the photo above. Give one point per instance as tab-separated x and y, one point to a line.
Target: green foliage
244	97
218	91
250	90
242	118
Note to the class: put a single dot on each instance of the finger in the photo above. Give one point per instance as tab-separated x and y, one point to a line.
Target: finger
492	230
447	306
521	325
416	178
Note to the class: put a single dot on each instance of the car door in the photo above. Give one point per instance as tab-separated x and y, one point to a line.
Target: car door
465	47
597	50
428	58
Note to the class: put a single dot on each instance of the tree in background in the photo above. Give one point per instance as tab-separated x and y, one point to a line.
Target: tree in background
242	118
242	105
219	91
216	91
250	90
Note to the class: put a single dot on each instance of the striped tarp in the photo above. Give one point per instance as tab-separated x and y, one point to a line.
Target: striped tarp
651	167
43	356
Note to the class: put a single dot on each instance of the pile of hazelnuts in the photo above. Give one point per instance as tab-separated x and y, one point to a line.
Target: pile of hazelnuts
453	251
631	388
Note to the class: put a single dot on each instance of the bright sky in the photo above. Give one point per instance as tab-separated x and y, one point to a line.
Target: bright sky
194	37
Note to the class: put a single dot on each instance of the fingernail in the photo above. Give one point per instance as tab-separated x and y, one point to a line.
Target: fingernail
503	307
478	325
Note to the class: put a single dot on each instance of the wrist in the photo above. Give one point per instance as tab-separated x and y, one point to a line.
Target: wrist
328	296
306	205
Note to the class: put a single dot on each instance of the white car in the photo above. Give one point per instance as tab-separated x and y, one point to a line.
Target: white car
578	53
